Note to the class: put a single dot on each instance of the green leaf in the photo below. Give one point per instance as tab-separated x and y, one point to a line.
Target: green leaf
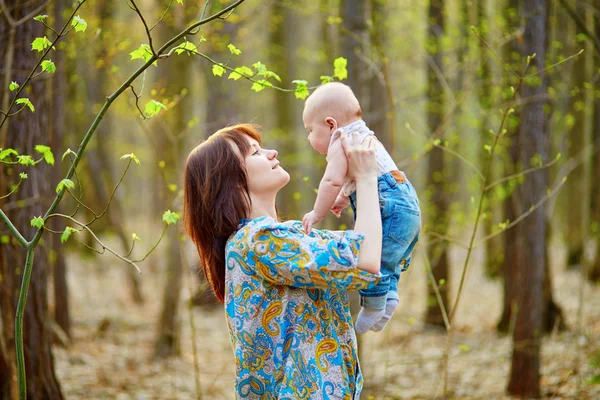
143	53
136	237
40	17
23	176
260	85
67	234
172	187
239	71
25	160
67	152
187	47
339	68
170	217
37	222
488	148
463	347
301	91
7	152
325	79
4	239
180	2
25	100
218	70
261	69
48	66
40	44
13	86
79	24
45	150
65	183
153	107
132	156
234	50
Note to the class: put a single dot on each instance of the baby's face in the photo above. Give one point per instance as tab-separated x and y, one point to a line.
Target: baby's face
319	131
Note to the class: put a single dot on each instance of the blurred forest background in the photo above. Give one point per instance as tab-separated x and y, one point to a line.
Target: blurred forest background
503	148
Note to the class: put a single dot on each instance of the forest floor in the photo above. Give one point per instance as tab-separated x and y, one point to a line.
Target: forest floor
110	356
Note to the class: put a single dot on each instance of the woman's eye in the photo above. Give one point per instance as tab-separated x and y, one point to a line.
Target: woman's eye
255	153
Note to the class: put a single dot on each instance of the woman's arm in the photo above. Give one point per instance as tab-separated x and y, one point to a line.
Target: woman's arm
362	166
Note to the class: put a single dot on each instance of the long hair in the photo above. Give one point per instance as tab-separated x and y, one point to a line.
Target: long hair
216	197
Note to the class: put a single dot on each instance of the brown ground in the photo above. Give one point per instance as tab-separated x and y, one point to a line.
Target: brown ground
110	357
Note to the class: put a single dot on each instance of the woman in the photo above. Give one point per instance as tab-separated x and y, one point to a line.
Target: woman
284	291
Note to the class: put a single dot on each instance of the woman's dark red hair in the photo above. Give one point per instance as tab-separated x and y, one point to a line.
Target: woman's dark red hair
216	197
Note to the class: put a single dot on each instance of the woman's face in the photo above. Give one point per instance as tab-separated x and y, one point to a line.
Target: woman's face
263	170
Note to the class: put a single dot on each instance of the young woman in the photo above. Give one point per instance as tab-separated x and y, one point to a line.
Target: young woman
285	292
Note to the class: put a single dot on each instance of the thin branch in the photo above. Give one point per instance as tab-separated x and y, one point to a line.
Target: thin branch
14	190
33	13
13	229
581	24
137	104
155	245
436	289
104	247
521	173
162	16
137	10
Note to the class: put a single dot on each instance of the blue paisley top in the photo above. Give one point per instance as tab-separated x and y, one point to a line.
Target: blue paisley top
288	312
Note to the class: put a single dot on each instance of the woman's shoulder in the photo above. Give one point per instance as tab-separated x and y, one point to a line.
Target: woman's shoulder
251	229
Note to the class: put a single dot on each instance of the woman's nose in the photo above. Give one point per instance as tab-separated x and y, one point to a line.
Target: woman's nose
272	154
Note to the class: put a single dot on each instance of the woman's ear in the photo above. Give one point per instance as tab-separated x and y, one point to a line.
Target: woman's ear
333	125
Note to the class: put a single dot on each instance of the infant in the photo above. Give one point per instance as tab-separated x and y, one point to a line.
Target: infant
330	111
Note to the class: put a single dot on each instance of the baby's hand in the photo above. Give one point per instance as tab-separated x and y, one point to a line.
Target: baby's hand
309	220
340	203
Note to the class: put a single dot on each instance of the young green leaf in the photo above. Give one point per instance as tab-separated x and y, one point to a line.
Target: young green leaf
7	152
45	150
234	50
239	71
25	160
40	17
40	44
4	239
37	222
218	70
79	24
25	100
170	217
325	79
153	107
488	148
48	66
143	53
339	68
301	91
67	234
189	47
65	183
260	85
13	86
132	156
23	176
136	237
180	2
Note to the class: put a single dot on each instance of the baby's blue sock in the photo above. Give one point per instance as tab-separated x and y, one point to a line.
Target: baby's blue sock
390	307
367	318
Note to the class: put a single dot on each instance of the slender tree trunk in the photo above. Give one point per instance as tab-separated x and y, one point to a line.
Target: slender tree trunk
24	131
575	187
173	123
59	267
531	232
594	270
438	218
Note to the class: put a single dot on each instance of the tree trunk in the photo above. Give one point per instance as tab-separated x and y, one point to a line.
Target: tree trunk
23	132
594	270
173	123
531	232
57	123
438	218
353	37
575	187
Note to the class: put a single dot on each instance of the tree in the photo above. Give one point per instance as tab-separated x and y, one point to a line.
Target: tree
24	131
531	232
594	271
437	207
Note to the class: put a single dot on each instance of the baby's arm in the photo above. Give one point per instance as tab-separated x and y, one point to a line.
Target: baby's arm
333	179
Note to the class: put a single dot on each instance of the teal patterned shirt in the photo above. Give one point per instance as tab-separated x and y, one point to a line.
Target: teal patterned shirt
288	313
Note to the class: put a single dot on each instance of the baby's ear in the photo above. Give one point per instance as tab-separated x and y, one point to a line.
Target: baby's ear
331	122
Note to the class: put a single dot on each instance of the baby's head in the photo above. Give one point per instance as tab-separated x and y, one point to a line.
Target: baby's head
331	106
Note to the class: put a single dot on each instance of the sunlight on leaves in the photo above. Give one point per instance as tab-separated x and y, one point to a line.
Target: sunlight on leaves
65	183
79	24
170	217
37	222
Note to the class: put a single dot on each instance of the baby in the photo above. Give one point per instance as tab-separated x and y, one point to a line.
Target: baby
331	111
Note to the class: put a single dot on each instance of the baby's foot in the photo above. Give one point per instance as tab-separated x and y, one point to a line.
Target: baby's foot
390	307
367	318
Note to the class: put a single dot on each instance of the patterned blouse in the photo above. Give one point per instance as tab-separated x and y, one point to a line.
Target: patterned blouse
288	312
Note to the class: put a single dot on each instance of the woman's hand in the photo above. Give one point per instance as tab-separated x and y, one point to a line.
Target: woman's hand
361	157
